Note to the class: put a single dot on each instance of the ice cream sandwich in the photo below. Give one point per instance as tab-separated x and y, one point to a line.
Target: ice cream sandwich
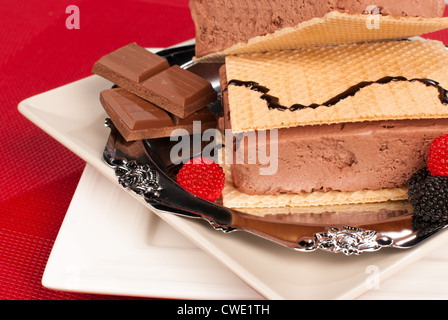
354	122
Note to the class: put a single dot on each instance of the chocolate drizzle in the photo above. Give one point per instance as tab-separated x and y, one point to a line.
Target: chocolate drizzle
274	102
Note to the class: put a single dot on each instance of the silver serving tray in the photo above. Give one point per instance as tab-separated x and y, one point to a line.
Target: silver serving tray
145	167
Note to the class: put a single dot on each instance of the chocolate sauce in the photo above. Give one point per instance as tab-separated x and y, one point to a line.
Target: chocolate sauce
274	102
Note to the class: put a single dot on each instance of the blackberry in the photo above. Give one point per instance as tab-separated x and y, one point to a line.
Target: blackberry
429	197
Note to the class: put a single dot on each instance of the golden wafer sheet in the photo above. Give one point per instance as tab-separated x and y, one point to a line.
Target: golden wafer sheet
317	75
335	28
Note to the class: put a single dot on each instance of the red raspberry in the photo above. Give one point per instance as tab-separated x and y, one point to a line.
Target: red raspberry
202	177
438	157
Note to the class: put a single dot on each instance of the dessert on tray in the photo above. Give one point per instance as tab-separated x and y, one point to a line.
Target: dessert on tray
349	108
354	109
371	138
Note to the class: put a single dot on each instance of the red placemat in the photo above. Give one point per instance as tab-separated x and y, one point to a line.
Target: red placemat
39	176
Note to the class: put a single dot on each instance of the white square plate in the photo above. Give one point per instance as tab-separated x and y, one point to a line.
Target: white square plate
111	244
73	115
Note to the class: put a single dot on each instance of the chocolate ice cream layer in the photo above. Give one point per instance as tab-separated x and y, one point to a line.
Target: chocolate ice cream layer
223	23
343	157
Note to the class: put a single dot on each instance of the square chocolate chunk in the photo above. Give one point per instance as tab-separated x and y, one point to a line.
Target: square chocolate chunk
138	119
180	91
132	62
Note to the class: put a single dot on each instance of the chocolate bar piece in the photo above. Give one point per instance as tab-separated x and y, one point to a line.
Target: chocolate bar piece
179	91
138	119
131	62
174	89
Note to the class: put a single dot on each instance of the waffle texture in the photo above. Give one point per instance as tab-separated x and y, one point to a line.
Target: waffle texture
316	75
333	29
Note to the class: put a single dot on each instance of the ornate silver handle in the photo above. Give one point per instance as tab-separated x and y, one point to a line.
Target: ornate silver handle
139	178
350	241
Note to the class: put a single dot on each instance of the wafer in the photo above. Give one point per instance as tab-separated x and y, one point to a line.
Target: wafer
316	75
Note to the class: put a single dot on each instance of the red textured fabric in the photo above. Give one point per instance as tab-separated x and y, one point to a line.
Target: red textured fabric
39	176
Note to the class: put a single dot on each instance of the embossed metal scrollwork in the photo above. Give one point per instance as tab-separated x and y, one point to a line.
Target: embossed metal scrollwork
139	178
348	241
